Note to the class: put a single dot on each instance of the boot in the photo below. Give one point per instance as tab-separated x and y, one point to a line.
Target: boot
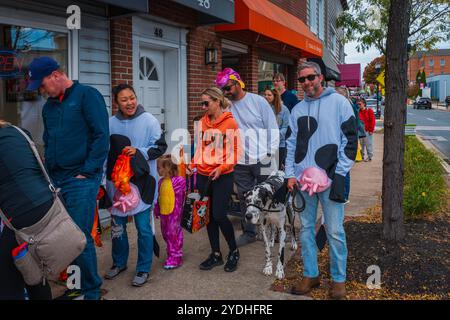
337	291
305	286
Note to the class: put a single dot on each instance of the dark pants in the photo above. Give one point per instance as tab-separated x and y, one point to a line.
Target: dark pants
347	186
282	151
12	284
80	200
246	177
220	193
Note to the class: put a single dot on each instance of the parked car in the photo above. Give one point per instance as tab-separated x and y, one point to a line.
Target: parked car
422	103
447	102
372	104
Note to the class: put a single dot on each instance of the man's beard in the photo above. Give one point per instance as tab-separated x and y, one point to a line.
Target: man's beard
312	91
232	96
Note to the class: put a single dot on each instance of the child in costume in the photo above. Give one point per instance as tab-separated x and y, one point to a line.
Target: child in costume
169	208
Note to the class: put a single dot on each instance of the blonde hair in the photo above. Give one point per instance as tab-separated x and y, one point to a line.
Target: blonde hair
3	123
217	95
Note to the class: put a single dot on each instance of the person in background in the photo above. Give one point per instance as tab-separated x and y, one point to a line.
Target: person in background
260	136
368	118
344	91
289	99
282	113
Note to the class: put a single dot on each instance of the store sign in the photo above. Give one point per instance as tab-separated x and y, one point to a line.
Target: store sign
10	64
222	10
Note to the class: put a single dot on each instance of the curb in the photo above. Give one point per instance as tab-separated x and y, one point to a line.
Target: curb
444	160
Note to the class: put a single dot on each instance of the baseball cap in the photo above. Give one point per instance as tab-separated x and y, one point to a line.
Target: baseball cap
40	68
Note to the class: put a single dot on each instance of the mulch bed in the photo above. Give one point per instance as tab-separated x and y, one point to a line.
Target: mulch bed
416	268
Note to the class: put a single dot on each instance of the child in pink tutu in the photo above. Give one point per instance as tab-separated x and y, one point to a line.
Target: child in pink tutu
169	208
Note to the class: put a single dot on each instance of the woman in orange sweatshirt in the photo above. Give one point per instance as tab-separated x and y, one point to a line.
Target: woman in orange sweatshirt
217	152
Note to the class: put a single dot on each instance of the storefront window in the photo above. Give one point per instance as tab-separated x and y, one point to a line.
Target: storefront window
18	47
266	71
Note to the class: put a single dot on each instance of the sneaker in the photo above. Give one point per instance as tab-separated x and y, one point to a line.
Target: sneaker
170	266
213	260
72	294
114	272
140	279
244	239
232	261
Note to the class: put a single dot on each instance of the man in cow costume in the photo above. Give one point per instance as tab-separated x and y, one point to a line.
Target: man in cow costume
323	137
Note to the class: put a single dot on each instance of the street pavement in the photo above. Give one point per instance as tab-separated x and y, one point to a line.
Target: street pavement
432	125
248	282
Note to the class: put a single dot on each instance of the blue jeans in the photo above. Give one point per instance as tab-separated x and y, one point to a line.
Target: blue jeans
347	186
80	199
334	219
120	247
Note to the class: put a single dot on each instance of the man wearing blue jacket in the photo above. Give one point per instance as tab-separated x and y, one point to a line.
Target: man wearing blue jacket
323	136
76	137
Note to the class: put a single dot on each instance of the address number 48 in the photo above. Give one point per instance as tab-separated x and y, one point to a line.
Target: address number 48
204	3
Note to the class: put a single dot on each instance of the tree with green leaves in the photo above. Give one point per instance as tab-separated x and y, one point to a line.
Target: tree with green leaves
367	20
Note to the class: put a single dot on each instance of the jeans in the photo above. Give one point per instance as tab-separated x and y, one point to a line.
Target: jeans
334	220
80	199
120	246
367	143
347	186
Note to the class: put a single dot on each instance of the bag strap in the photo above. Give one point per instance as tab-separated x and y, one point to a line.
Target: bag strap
38	158
207	187
6	221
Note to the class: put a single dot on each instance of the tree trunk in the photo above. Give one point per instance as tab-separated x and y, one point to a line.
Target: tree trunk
395	119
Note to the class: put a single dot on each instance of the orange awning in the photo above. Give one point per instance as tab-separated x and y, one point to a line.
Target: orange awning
265	18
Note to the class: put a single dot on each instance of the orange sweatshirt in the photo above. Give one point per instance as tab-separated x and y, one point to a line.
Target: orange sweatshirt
218	145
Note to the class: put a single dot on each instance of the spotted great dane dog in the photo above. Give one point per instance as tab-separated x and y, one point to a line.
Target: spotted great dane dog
266	205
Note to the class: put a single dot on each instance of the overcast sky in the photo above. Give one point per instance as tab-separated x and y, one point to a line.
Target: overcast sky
353	56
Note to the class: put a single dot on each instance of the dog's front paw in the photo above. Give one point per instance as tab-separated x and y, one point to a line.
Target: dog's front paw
280	271
267	270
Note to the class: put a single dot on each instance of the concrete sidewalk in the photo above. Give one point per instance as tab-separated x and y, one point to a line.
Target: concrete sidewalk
248	282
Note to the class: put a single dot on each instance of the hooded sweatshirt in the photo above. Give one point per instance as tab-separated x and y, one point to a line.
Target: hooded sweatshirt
218	144
323	136
143	132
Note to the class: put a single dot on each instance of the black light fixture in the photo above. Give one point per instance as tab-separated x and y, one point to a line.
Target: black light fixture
211	55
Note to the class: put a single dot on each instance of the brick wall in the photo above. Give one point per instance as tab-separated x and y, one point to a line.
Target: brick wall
200	76
415	63
248	69
121	53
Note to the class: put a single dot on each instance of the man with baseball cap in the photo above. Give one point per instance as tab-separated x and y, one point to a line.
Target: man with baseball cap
259	126
76	137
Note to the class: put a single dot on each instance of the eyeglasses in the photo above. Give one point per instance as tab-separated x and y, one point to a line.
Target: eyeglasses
310	77
204	103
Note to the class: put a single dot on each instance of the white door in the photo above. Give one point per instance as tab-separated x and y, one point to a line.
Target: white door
150	83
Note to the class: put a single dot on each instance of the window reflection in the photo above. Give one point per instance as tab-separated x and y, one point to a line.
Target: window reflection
18	47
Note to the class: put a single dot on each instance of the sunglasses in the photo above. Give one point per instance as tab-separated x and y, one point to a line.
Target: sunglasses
310	77
204	103
227	88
